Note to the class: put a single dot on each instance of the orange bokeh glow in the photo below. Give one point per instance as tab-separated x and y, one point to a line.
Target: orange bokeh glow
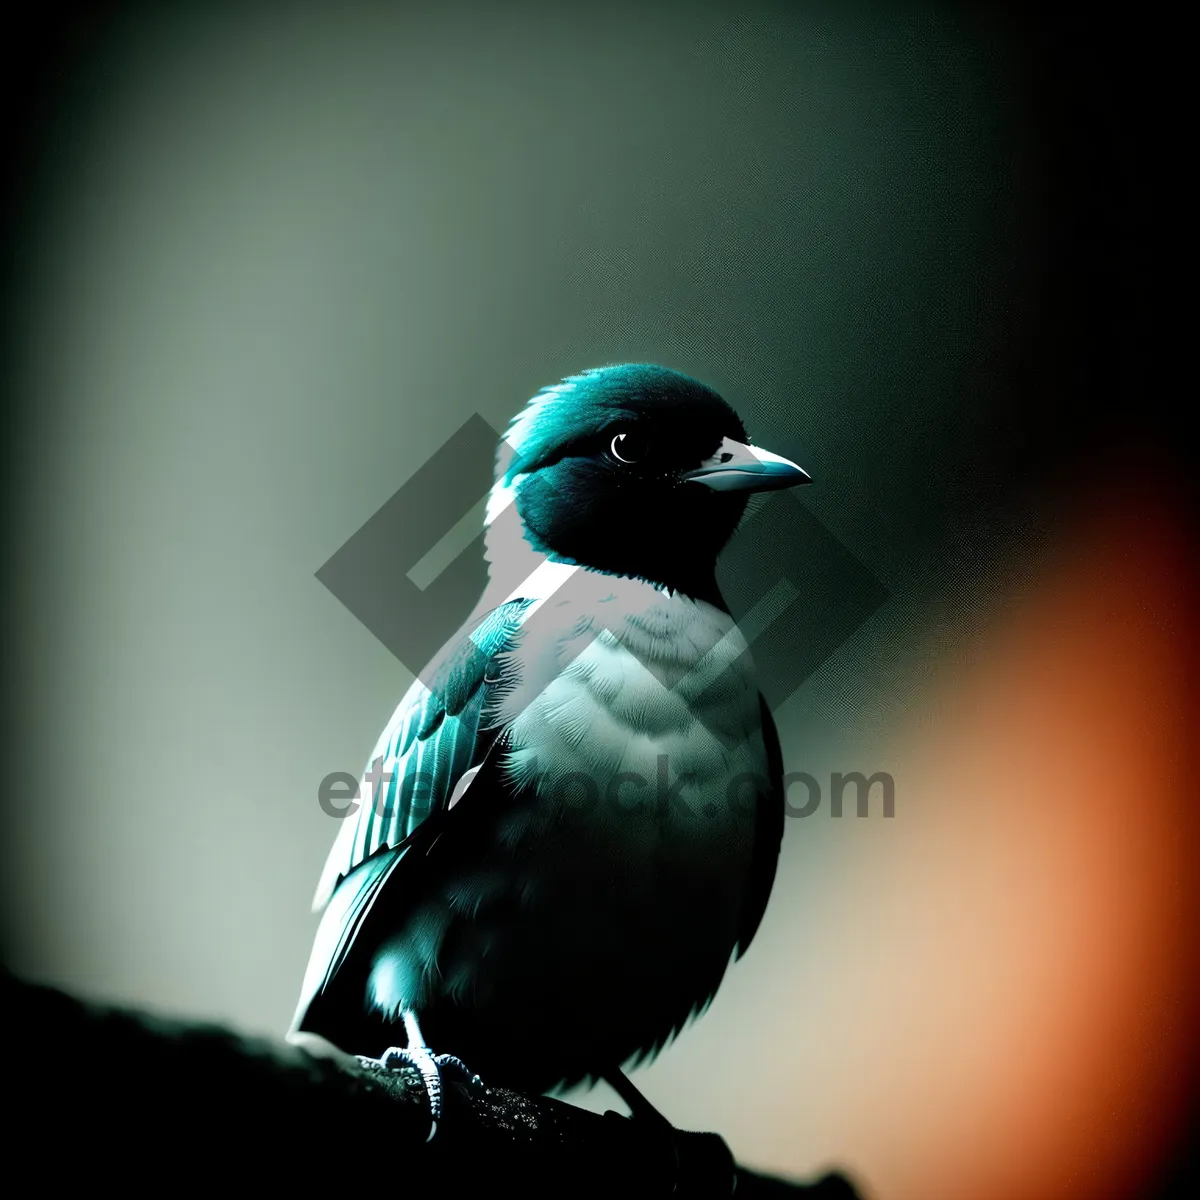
1031	918
990	996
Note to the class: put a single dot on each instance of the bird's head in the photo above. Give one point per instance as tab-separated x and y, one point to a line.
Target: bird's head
633	470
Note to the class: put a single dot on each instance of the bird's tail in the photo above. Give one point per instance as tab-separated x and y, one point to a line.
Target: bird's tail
332	1002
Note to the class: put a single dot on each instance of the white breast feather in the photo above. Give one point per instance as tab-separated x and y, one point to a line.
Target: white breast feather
614	682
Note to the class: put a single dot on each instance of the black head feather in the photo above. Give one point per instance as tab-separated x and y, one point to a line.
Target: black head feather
597	465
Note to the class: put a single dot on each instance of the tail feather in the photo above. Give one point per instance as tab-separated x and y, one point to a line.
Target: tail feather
332	997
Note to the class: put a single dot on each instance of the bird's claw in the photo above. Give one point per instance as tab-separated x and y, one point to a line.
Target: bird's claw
430	1067
458	1067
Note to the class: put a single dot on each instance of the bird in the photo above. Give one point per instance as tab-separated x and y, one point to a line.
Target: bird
570	827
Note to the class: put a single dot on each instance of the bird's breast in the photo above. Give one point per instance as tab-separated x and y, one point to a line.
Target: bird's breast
636	716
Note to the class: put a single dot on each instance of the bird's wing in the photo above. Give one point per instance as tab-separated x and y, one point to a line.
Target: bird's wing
436	735
768	834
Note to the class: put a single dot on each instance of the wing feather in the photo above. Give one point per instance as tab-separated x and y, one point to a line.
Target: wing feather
437	733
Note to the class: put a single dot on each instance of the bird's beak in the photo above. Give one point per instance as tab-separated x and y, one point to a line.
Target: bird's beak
738	467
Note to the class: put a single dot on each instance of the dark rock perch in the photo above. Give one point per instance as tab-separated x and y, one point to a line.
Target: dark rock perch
110	1098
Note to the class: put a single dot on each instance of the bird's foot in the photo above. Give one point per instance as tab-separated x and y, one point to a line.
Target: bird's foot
456	1066
430	1067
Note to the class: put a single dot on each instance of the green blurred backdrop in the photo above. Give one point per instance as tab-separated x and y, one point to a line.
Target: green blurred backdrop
268	257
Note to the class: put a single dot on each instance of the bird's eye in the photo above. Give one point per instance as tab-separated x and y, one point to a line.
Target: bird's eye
629	447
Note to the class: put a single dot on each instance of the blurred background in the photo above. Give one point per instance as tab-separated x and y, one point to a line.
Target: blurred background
262	260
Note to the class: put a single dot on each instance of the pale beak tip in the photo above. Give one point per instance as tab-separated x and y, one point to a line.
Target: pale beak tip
740	467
